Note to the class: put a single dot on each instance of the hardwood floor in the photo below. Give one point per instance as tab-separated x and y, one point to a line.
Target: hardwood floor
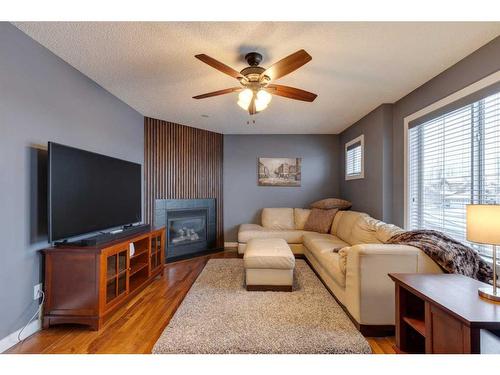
136	326
382	345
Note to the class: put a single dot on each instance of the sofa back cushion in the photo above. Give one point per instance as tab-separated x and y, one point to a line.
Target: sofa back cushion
386	231
278	218
300	215
344	224
365	231
359	228
320	220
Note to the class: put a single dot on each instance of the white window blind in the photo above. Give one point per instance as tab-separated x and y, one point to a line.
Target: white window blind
454	160
354	158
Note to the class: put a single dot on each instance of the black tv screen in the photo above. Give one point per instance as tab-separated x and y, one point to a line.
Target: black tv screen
90	192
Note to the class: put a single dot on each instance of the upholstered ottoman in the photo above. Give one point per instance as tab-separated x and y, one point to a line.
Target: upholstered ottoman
269	265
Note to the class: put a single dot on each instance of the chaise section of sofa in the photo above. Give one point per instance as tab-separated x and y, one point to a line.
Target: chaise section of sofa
294	237
352	260
284	223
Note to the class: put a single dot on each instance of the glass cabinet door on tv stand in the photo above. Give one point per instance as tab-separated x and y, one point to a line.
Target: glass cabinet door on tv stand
117	269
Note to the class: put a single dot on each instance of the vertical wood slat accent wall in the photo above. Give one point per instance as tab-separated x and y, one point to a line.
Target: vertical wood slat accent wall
181	162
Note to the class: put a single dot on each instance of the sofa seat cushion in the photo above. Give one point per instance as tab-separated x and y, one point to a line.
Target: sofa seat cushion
330	261
343	259
318	242
250	231
268	253
325	247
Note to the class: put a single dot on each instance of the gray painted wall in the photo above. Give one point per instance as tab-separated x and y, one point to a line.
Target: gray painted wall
243	199
479	64
369	193
381	192
43	98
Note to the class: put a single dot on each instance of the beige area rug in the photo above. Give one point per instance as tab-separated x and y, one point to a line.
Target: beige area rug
218	315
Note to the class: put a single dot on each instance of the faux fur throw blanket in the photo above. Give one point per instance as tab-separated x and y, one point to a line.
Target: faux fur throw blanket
452	256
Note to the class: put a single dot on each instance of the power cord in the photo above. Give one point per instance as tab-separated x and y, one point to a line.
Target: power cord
33	317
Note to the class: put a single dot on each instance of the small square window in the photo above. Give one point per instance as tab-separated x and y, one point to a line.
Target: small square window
354	158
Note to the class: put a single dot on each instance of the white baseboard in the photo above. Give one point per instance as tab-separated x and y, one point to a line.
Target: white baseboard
11	340
230	245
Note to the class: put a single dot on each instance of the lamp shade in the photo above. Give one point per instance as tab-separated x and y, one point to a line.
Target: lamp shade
263	100
483	223
244	98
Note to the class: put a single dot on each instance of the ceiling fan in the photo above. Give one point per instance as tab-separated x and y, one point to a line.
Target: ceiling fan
256	89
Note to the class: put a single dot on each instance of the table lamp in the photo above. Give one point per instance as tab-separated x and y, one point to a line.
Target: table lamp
483	226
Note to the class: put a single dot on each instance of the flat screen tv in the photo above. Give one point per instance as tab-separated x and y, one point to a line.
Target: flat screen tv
89	192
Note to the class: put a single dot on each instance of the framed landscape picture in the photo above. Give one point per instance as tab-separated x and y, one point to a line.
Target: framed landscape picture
279	171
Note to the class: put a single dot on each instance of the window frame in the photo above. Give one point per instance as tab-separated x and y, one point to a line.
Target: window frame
361	140
472	89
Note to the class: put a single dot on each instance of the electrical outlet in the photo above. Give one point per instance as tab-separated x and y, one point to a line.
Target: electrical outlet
37	291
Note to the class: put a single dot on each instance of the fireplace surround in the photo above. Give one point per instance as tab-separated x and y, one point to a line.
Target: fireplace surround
190	226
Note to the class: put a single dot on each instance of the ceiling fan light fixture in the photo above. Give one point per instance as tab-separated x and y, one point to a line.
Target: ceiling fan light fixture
244	98
262	100
256	82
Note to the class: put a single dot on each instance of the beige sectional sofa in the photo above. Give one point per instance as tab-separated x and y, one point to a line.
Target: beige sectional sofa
352	260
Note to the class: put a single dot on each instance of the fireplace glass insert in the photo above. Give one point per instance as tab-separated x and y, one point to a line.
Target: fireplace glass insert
187	230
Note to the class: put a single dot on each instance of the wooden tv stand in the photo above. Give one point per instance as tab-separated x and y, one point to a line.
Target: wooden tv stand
85	285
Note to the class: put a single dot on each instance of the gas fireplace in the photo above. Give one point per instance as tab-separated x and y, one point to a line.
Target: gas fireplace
190	225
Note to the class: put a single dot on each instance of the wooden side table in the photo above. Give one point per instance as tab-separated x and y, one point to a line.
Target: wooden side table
443	313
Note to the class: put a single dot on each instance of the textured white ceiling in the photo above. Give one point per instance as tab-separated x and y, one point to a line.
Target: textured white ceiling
355	67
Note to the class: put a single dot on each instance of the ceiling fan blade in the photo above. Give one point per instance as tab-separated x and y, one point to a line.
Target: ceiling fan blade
217	93
219	66
287	65
291	92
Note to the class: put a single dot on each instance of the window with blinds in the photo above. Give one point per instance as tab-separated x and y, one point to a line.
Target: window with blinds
354	158
454	160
